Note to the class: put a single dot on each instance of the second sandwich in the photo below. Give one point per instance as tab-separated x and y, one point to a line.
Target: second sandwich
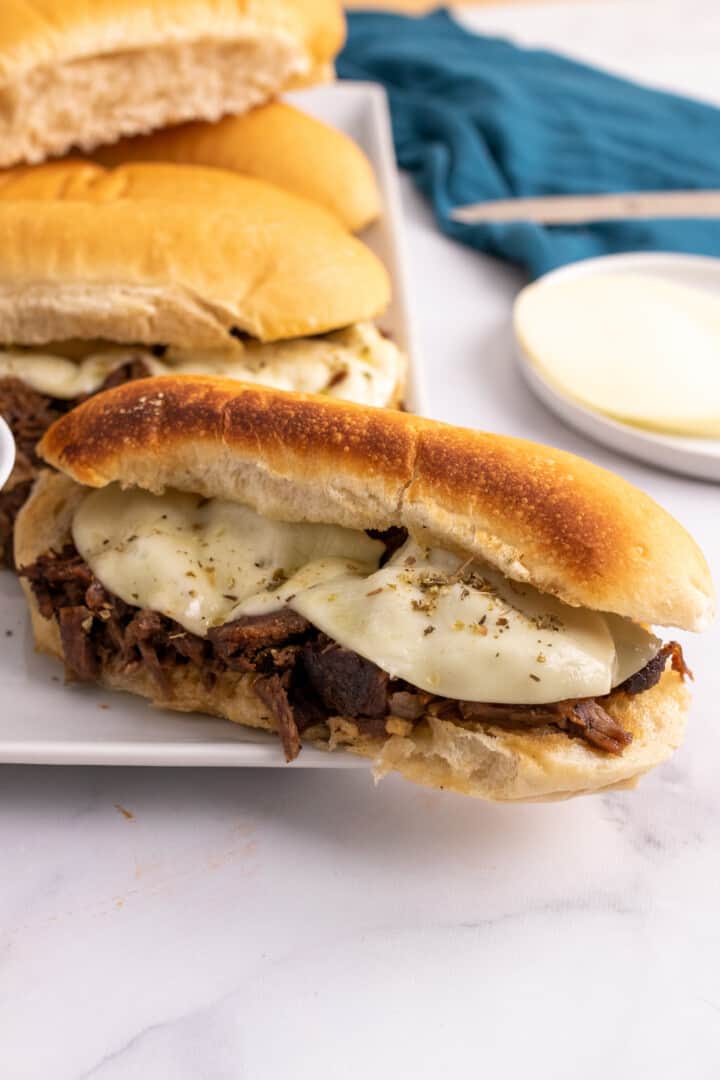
107	276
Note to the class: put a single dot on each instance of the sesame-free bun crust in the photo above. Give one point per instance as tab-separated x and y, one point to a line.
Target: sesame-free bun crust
484	762
75	73
303	190
540	515
129	266
274	142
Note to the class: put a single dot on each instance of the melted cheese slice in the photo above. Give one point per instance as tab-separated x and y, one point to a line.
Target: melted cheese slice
470	633
355	364
453	629
637	348
195	559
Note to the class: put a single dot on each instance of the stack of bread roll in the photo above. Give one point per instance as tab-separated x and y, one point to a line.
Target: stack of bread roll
196	223
218	502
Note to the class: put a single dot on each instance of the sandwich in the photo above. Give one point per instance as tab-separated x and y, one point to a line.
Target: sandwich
79	74
471	611
274	142
104	278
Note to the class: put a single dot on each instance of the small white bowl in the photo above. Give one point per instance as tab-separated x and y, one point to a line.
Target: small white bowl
690	456
7	452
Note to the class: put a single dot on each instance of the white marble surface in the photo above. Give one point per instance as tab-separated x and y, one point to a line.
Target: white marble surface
285	924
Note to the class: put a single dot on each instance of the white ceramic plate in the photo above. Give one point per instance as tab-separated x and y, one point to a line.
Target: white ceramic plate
43	722
690	456
7	452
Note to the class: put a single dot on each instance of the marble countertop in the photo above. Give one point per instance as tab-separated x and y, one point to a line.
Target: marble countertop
217	925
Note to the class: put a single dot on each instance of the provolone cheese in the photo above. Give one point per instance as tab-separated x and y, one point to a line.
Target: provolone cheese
453	629
355	364
635	347
195	559
470	633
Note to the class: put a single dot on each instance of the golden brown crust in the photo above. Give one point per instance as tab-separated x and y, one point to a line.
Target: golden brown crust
274	142
484	762
126	267
540	515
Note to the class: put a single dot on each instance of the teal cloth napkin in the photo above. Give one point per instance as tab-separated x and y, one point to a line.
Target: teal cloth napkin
478	118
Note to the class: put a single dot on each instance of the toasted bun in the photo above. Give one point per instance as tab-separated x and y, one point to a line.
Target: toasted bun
74	73
539	515
237	254
489	763
274	142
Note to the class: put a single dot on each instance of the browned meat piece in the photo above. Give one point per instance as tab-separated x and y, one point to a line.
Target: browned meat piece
59	580
272	693
308	711
650	675
347	684
27	413
237	642
408	706
588	719
190	646
584	718
147	632
81	661
134	369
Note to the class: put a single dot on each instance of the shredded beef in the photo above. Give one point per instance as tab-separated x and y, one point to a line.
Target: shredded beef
81	659
302	676
408	706
243	643
59	580
650	675
589	720
584	718
347	684
133	369
27	413
147	632
272	693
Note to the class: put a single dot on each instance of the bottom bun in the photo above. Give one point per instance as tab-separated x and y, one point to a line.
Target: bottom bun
482	761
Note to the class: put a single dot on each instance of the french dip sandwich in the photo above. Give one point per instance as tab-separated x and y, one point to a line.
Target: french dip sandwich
274	142
75	73
469	610
105	277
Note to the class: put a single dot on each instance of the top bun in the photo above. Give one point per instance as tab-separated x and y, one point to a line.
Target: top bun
540	515
112	255
74	73
274	142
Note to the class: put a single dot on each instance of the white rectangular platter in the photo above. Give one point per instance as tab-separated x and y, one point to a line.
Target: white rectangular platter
42	721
